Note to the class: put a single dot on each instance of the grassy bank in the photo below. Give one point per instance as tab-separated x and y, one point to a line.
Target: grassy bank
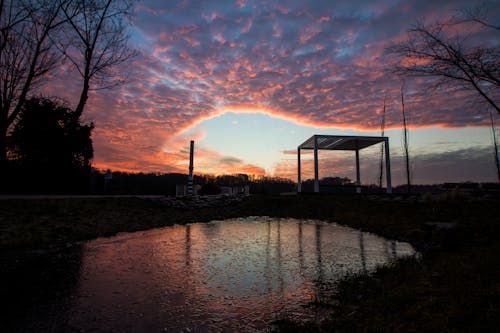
453	287
44	222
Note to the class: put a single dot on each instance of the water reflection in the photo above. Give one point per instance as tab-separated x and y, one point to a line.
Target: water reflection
362	251
301	249
233	275
319	261
188	245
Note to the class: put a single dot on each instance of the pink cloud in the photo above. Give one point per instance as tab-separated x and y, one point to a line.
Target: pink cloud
308	33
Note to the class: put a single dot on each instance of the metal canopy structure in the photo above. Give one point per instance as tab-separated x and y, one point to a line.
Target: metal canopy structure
342	142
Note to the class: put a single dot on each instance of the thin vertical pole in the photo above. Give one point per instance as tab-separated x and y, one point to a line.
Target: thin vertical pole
299	181
316	172
382	130
406	142
388	166
495	145
358	178
190	177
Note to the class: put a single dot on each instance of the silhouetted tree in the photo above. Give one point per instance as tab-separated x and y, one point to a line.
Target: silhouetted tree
97	43
335	181
444	50
51	147
441	50
271	185
35	35
231	180
330	185
26	54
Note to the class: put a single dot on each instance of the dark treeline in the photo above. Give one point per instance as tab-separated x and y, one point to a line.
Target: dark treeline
139	183
165	184
271	185
330	185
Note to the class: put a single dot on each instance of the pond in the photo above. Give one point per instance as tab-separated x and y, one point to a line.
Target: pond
232	275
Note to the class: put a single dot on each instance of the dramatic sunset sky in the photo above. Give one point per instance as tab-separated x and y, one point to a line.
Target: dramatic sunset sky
251	80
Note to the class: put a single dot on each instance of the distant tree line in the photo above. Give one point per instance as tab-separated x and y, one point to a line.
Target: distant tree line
165	184
140	183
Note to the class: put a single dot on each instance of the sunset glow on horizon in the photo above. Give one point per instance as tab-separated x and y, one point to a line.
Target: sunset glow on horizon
251	80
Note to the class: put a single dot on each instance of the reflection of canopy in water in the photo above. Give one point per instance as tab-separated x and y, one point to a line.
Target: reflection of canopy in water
343	142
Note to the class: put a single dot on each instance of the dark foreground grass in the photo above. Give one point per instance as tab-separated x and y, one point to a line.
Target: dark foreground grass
453	287
442	292
53	222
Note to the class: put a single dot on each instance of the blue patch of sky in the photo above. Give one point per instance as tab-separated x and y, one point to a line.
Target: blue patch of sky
260	139
137	38
306	50
345	52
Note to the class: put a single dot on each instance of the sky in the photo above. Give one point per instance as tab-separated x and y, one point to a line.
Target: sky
251	80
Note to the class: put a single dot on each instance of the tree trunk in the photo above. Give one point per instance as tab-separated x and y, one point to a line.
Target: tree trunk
84	96
3	145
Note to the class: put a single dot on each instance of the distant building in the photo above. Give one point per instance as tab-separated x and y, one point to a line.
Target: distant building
181	190
235	190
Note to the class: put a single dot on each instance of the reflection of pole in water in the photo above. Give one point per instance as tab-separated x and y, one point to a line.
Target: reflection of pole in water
394	251
268	259
301	251
391	255
362	251
386	248
188	244
278	255
187	271
319	259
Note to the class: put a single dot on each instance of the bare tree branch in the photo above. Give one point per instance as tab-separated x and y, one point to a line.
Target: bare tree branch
99	43
438	50
477	14
26	54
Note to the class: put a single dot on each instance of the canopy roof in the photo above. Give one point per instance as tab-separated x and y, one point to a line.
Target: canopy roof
342	142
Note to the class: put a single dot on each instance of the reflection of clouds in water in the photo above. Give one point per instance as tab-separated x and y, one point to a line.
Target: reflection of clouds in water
238	274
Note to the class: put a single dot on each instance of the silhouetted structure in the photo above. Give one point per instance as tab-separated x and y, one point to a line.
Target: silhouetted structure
342	142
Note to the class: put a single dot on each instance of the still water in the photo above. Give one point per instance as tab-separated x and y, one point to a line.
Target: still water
232	275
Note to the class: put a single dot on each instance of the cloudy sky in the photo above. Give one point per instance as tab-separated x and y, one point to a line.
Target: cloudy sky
251	80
